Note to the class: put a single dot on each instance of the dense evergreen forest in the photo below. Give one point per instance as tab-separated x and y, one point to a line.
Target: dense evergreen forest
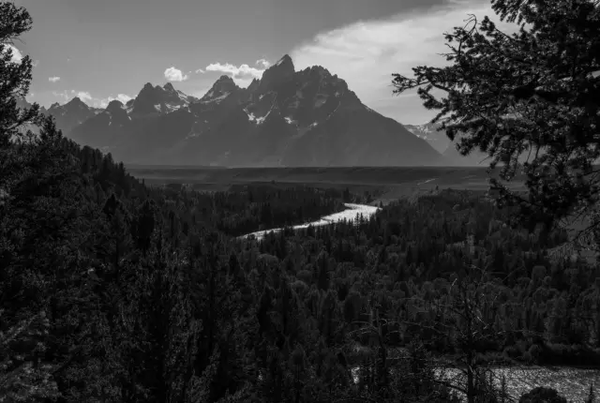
112	291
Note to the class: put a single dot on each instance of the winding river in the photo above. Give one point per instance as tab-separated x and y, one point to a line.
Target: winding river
352	212
570	382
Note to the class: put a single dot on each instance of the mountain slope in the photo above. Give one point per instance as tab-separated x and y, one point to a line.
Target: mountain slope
437	138
71	114
287	118
67	116
431	133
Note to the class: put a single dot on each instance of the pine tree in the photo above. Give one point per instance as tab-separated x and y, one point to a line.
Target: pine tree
32	170
529	99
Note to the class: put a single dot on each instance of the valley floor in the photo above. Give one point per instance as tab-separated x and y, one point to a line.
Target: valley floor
384	183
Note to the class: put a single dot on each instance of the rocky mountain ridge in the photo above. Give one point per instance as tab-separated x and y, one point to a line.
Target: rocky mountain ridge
287	118
438	139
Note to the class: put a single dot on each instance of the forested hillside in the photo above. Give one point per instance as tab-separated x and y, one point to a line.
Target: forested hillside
145	296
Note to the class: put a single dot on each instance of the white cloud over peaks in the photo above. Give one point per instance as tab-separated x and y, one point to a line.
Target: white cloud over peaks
103	103
173	74
65	95
83	95
263	63
366	53
243	71
54	79
243	74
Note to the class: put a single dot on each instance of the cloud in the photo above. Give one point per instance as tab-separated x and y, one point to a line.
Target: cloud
103	103
243	71
173	74
54	79
264	63
243	74
83	95
366	53
65	95
200	71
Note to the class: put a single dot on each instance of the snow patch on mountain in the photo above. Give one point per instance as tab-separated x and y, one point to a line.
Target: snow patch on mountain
334	111
217	100
261	120
187	99
320	102
173	108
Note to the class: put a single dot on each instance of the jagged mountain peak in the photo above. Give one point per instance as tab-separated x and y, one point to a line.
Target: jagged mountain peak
285	62
76	103
288	117
225	83
115	104
153	100
320	70
254	85
150	91
71	114
221	89
146	99
277	74
225	79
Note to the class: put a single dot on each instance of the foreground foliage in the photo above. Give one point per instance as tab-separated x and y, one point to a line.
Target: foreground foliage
530	100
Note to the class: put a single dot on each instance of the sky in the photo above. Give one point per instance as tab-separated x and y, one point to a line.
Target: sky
101	50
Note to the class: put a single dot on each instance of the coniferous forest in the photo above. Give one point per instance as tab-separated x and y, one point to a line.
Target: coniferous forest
114	291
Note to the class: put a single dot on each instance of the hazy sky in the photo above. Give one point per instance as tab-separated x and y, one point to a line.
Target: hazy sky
106	49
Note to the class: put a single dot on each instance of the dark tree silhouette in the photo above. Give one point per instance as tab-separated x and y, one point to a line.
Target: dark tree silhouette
530	100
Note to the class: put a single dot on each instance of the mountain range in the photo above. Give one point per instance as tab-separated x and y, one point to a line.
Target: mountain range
436	137
287	118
